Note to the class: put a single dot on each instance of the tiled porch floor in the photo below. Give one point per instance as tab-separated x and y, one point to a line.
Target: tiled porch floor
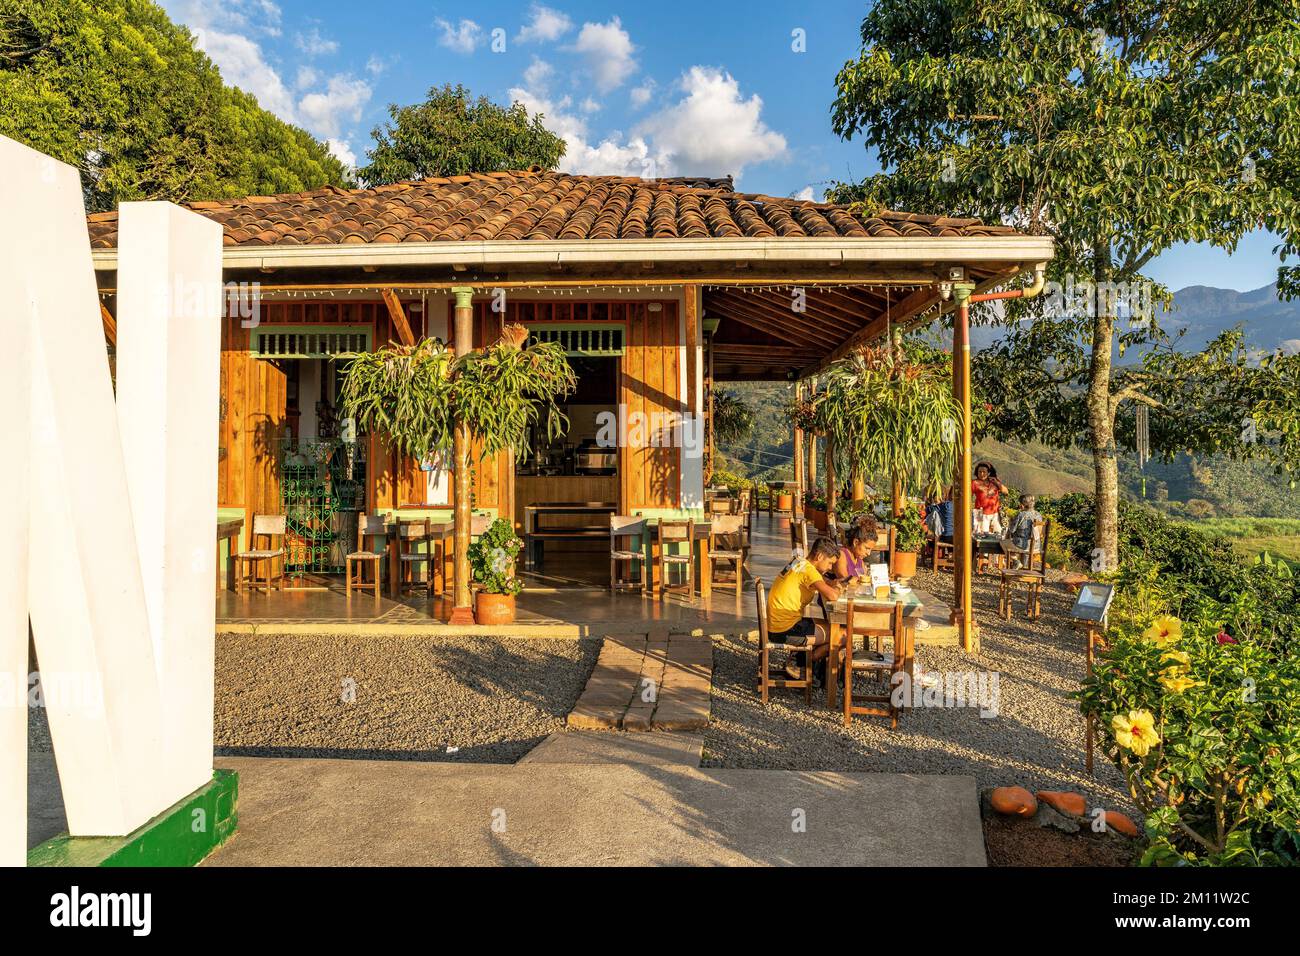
544	602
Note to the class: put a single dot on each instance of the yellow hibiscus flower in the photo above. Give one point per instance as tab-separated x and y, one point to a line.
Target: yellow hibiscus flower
1178	657
1135	731
1164	630
1177	683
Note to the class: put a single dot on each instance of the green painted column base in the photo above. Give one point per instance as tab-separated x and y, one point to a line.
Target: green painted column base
181	835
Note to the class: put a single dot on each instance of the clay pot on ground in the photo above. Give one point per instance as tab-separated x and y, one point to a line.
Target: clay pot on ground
785	502
494	608
903	565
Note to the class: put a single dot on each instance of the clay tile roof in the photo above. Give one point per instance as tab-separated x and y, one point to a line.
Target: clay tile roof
531	204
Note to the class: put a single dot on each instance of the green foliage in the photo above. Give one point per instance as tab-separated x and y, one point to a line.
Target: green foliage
492	558
1220	687
731	481
733	419
417	394
889	415
1119	129
909	533
452	133
117	90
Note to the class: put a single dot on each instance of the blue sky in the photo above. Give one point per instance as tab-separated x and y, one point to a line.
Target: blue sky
668	88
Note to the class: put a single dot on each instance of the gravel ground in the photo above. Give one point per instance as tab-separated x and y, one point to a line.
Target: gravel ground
1035	741
493	699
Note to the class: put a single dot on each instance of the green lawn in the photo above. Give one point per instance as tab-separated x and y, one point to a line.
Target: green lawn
1280	537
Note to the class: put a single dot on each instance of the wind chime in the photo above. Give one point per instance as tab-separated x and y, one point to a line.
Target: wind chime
1142	441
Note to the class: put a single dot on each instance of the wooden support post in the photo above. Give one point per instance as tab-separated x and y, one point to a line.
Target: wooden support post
896	494
708	390
812	461
398	315
462	611
798	458
962	557
110	324
832	493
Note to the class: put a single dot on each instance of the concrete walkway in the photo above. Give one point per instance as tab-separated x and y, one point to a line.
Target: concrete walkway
360	812
653	749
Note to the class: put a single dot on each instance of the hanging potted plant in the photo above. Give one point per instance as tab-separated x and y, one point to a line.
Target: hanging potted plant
492	562
909	538
890	414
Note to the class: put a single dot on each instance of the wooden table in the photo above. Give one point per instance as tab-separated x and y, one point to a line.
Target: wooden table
228	531
439	532
839	612
703	530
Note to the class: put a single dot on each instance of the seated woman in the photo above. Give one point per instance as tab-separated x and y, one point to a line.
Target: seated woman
851	565
793	590
944	509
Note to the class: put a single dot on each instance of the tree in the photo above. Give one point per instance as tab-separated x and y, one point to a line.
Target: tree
451	134
1119	128
116	89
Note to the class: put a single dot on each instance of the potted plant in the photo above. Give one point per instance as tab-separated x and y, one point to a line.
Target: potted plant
815	508
909	537
492	562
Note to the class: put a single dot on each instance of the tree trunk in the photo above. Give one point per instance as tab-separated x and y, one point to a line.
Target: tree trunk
1101	419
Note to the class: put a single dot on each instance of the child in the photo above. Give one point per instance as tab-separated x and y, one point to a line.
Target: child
792	591
1020	537
988	499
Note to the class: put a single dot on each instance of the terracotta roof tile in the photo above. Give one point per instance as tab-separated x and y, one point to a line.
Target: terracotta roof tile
534	204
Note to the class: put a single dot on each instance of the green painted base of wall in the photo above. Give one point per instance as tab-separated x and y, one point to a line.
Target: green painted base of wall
182	835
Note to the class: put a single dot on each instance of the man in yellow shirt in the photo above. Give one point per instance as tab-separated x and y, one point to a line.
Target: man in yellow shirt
792	591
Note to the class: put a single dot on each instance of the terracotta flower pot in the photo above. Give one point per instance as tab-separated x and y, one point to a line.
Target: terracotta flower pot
904	564
785	502
820	520
494	608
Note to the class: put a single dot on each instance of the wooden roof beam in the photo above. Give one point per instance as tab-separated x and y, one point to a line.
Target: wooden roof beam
398	315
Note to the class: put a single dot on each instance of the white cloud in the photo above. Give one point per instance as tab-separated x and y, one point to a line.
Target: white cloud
608	50
640	95
537	78
223	31
242	64
375	66
343	99
712	130
342	151
806	194
464	37
313	44
546	26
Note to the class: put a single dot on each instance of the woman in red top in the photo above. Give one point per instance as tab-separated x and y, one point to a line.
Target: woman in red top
988	491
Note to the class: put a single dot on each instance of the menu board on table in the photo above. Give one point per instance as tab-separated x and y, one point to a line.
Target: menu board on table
880	580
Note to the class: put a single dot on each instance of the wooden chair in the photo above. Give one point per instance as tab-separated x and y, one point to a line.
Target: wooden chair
1028	575
884	544
719	505
762	499
799	535
672	531
874	622
941	555
623	530
728	542
769	676
269	527
368	526
745	500
410	535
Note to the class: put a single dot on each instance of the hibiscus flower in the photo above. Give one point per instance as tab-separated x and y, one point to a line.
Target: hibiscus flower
1135	731
1164	630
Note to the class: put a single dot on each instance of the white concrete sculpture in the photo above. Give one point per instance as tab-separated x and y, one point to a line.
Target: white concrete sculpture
109	541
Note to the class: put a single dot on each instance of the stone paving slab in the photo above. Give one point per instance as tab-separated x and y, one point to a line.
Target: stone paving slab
410	813
649	748
674	671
